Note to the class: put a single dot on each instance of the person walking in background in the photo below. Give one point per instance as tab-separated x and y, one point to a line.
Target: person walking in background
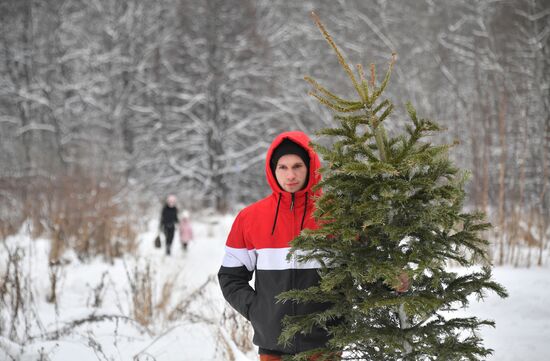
259	242
186	232
169	220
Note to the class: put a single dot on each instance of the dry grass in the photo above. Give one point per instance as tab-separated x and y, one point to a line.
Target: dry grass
88	213
55	271
165	296
98	292
522	241
16	297
238	328
141	287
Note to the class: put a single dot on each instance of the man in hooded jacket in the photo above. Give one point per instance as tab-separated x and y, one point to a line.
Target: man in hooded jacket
259	242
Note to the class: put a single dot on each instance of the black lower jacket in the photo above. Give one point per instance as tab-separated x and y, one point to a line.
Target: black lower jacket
261	308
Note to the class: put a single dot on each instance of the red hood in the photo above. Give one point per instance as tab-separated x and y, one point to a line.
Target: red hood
302	140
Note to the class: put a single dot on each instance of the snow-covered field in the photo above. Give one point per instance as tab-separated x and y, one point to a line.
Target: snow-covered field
92	318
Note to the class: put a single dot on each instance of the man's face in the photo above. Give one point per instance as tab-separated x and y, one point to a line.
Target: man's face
291	173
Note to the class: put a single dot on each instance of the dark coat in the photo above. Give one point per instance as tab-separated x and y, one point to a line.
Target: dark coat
169	217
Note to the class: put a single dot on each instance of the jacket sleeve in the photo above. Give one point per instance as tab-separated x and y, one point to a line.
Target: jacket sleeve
237	268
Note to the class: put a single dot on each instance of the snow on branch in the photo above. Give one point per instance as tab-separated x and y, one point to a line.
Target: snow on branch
35	127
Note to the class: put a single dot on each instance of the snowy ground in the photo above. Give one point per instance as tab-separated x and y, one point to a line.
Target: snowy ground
522	320
522	329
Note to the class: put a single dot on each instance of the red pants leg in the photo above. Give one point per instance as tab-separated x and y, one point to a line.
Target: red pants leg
270	358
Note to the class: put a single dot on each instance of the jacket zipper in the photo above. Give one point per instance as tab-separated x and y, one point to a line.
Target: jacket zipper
293	270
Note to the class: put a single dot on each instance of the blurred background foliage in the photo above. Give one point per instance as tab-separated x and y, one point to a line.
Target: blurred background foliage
134	99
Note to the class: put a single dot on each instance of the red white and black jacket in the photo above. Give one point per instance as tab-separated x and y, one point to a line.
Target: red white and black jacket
259	242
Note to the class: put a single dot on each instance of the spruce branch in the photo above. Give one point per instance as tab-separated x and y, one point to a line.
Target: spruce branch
341	58
328	93
364	83
382	87
339	107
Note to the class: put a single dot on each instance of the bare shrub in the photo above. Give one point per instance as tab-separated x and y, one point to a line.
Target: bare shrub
16	298
141	289
55	271
238	328
183	307
522	239
9	351
224	346
96	347
145	309
70	327
98	292
165	296
12	191
89	213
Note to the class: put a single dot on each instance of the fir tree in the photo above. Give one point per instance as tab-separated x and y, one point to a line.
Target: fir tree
392	209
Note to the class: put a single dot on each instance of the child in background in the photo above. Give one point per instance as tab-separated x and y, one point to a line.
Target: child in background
186	232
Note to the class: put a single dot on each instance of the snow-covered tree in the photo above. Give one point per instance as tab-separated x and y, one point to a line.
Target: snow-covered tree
176	96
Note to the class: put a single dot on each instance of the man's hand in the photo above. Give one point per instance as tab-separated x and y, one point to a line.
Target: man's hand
403	283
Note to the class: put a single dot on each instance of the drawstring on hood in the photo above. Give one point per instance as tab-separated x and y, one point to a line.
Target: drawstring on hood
302	140
276	213
304	215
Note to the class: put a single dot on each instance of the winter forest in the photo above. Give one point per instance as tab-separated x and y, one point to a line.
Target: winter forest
107	106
